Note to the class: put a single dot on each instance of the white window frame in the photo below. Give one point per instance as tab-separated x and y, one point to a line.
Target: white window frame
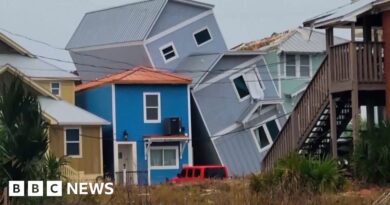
298	66
233	77
174	50
80	142
59	88
159	107
264	125
176	148
198	31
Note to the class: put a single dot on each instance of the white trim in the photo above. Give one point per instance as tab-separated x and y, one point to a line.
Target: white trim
298	91
264	125
176	148
190	149
242	74
113	101
159	107
101	47
170	44
149	56
200	30
59	88
227	129
178	26
298	66
80	155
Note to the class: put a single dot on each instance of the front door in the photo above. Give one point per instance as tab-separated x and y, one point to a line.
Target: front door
126	167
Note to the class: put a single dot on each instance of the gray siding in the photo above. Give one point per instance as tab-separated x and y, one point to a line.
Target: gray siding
185	44
174	13
97	63
217	97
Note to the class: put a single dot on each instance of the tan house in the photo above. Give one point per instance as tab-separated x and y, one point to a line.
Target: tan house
73	132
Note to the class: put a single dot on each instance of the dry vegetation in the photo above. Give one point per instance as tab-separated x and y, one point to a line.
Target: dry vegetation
233	192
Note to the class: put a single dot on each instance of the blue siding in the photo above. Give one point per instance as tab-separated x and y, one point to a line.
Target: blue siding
99	102
130	117
185	44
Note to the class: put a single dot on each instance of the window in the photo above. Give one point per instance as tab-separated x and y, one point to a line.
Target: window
164	157
152	111
169	52
202	37
262	137
190	171
248	84
273	129
290	66
197	173
266	134
241	87
55	88
72	142
304	65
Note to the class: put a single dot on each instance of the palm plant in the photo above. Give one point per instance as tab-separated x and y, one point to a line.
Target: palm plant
23	133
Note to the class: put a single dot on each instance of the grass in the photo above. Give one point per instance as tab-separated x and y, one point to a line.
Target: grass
229	192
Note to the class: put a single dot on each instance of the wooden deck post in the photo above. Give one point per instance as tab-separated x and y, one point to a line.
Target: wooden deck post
355	89
333	125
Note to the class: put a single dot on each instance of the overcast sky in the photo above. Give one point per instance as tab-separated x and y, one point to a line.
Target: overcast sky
54	21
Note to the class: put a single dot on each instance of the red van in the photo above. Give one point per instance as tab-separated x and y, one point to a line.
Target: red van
196	173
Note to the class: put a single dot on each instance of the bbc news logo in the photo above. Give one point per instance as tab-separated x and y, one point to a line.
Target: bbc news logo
55	188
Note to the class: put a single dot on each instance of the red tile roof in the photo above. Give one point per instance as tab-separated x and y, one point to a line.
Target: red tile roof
138	75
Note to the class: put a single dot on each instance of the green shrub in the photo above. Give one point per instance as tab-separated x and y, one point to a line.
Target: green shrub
298	173
371	159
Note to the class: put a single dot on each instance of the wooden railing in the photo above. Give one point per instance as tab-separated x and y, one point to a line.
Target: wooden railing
72	175
369	62
304	116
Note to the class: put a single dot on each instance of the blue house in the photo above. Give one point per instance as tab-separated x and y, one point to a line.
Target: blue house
149	138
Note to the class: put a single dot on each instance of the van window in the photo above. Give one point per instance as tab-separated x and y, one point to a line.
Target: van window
183	173
189	174
217	173
197	173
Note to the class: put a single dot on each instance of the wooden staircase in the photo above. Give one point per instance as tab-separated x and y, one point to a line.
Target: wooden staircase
351	68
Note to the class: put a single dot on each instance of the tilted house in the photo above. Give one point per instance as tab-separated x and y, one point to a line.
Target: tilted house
73	132
237	110
183	36
293	58
150	114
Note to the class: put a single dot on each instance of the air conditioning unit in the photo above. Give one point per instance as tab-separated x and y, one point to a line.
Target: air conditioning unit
172	126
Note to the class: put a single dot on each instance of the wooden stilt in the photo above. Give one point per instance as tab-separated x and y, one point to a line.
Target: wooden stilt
333	126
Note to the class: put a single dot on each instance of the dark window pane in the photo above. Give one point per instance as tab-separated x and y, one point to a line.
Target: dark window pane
170	55
55	85
217	173
261	137
167	50
202	36
152	113
152	100
305	65
305	60
290	59
197	173
189	174
183	173
72	148
273	129
241	87
72	135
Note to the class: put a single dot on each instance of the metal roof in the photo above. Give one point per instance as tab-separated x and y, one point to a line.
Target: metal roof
343	14
301	40
126	23
65	113
35	68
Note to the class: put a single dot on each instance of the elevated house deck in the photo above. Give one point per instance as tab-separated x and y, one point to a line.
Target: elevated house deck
352	75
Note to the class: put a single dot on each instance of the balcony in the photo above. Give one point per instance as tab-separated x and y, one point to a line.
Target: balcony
356	64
